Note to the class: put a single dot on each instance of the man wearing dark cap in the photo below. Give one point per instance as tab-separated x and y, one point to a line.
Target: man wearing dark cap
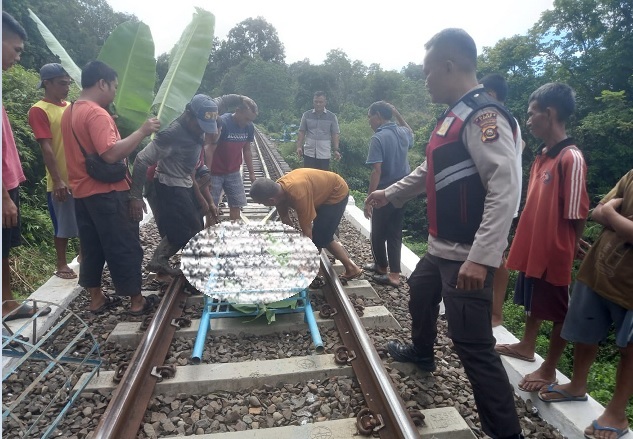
177	153
202	182
45	119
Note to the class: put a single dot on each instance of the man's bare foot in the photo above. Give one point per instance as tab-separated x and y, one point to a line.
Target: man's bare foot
99	305
515	350
561	392
97	302
394	277
351	275
602	427
535	381
65	272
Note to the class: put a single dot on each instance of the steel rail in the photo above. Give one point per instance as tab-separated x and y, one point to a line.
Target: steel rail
378	389
269	156
123	416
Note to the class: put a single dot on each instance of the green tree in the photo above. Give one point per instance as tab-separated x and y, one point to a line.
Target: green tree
81	26
354	144
383	85
517	59
413	72
249	38
311	78
268	84
339	66
605	137
588	44
19	93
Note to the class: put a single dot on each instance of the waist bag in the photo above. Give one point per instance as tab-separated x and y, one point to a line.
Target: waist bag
98	168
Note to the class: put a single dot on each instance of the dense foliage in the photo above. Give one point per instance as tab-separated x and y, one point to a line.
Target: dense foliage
586	43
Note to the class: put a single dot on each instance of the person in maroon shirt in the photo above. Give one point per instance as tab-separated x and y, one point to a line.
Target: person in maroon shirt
13	37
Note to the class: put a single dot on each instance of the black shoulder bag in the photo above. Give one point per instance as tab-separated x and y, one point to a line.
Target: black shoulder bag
98	168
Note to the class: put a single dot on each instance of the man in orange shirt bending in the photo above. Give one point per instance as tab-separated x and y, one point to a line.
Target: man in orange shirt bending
319	199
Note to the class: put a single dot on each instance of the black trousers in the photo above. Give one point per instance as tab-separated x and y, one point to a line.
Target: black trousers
312	162
149	192
469	324
386	226
179	216
107	234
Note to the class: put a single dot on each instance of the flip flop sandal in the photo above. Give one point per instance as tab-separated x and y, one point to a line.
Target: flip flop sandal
597	427
25	311
150	302
383	279
566	396
111	302
537	381
506	350
66	274
345	278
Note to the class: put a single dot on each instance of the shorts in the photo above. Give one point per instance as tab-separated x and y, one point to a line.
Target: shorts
591	316
233	188
541	299
63	216
327	220
12	237
107	234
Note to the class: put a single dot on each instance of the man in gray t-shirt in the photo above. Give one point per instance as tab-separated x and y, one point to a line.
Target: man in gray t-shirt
177	150
388	150
318	135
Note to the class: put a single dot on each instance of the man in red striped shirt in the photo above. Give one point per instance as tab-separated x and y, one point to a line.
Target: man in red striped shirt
549	230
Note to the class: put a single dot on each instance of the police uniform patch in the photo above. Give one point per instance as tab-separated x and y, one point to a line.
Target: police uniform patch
487	121
443	129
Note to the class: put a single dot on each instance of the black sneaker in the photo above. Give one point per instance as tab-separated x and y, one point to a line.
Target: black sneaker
408	353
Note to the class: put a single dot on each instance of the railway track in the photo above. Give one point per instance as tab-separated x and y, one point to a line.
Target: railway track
146	380
254	379
385	414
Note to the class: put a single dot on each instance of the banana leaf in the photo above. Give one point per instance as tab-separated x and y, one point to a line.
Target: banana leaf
57	49
268	309
130	51
186	68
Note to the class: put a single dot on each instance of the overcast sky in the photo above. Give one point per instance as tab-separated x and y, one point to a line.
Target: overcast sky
390	33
